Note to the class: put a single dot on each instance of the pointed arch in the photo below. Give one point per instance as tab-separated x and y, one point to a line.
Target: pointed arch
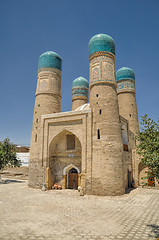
61	135
64	132
63	158
67	168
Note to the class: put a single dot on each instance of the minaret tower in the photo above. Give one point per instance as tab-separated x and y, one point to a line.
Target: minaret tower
80	88
125	78
47	101
107	164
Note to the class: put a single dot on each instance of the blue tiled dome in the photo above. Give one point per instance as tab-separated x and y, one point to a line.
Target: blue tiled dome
80	87
101	42
125	73
50	59
80	82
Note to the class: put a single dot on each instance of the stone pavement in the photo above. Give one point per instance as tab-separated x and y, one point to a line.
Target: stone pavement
27	213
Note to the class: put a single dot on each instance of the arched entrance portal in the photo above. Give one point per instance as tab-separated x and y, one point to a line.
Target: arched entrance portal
72	179
65	152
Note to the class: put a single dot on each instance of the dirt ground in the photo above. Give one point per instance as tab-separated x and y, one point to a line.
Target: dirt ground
16	173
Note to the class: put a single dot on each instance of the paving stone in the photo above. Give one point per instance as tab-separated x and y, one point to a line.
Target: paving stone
32	214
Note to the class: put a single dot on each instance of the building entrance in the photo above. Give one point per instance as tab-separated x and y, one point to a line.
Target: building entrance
72	179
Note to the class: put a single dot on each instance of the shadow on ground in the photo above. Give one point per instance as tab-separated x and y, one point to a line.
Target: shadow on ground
154	230
128	190
10	181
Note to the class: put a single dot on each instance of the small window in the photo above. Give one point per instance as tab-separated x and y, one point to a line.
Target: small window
70	142
36	137
36	120
38	105
125	147
98	134
96	95
130	115
100	111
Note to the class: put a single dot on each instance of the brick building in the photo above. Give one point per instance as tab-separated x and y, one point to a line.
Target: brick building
93	145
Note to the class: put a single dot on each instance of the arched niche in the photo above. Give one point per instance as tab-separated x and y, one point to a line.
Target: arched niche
65	152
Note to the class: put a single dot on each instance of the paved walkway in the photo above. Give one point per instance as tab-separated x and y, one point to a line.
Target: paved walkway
27	213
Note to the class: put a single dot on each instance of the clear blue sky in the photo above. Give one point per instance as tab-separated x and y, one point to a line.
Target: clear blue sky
29	28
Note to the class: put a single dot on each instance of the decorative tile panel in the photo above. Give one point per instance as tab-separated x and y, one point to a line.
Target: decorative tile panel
49	82
102	69
126	85
79	92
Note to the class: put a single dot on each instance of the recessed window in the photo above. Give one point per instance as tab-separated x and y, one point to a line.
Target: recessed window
125	147
38	105
100	111
36	137
130	115
70	142
96	95
37	120
98	134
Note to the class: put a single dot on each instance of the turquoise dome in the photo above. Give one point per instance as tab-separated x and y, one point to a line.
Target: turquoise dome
80	82
125	73
50	59
101	42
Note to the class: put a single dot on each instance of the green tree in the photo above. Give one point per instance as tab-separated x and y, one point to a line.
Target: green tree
148	145
8	154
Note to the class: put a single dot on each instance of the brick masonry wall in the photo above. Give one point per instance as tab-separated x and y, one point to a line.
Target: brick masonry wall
128	110
78	102
107	162
47	101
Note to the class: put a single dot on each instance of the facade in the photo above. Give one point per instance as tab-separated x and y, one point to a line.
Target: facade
92	146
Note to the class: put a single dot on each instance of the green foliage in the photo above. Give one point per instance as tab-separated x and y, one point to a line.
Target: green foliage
8	154
148	145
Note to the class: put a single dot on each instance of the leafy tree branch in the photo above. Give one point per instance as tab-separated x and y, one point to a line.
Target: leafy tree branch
148	145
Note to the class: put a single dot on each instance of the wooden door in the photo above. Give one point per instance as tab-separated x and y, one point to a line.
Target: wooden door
73	180
76	180
70	180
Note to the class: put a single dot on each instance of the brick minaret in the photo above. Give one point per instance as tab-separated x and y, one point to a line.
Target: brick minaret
80	88
107	165
125	78
47	101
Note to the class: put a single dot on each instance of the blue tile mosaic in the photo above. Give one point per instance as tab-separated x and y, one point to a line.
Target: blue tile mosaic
79	92
50	59
125	73
128	85
80	87
101	42
80	82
